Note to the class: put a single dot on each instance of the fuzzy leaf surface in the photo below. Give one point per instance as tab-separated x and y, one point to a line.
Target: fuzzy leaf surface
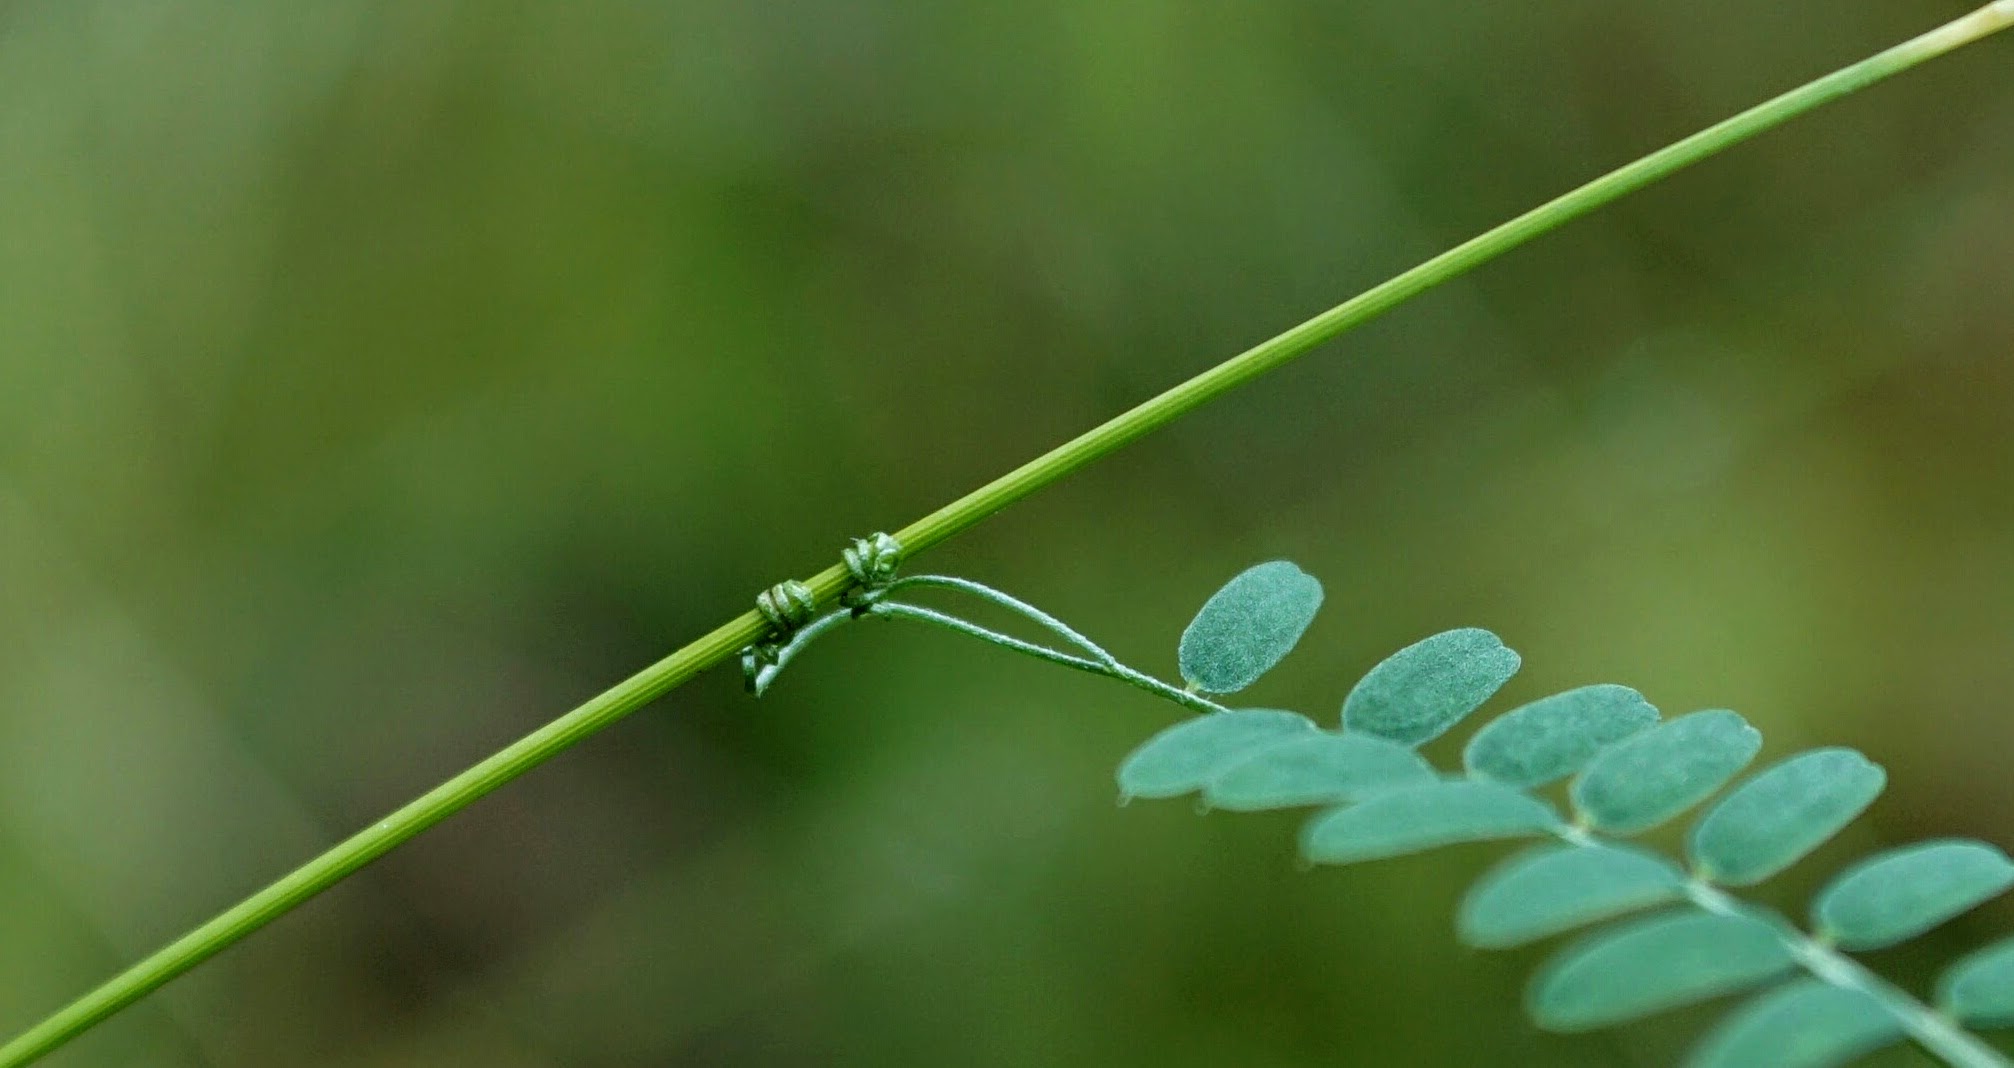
1782	813
1804	1023
1554	736
1189	754
1317	769
1657	963
1414	695
1411	819
1248	626
1894	896
1557	888
1643	781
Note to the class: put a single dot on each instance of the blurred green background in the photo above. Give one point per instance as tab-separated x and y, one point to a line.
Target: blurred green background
379	379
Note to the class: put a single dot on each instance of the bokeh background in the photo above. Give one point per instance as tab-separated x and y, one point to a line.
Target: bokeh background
379	379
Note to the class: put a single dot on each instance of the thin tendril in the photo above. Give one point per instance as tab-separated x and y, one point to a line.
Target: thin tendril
1012	604
900	610
1110	668
789	606
765	673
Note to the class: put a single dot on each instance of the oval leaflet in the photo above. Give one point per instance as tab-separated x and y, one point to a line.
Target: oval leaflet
1551	889
1782	813
1534	744
1654	964
1410	819
1414	695
1979	989
1643	781
1804	1023
1187	755
1894	896
1315	769
1248	626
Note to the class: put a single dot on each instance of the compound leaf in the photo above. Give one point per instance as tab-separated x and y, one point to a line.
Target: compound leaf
1411	819
1653	964
1414	695
1643	781
1979	989
1895	896
1317	769
1558	888
1187	755
1248	626
1804	1023
1782	813
1554	736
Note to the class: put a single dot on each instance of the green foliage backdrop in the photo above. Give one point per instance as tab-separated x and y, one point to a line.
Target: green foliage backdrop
379	379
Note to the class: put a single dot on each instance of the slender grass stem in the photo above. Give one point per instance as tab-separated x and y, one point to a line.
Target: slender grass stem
722	643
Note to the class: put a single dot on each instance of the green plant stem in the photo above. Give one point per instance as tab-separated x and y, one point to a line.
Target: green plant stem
724	641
